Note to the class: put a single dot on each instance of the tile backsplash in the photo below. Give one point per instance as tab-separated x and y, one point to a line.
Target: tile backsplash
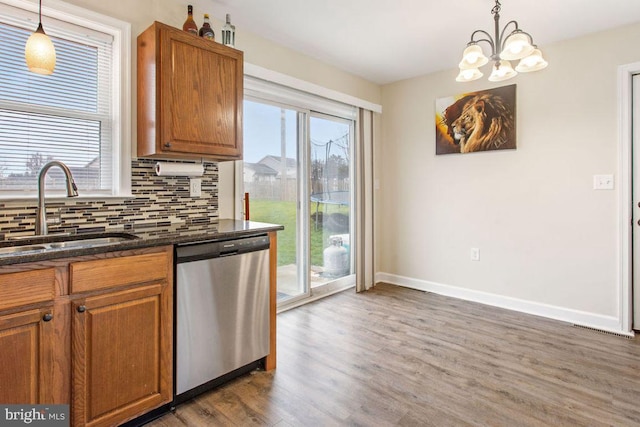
158	201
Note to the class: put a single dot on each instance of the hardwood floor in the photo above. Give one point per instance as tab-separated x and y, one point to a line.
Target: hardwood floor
395	356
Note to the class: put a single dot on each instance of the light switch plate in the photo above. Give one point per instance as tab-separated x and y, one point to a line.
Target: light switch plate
603	182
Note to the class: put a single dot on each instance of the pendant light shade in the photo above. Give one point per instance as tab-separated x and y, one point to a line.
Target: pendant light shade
502	71
517	46
533	62
469	75
39	52
472	57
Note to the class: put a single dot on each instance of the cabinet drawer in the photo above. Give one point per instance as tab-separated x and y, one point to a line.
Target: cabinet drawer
106	273
26	287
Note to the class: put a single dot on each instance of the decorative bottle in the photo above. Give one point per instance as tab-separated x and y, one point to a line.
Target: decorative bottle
228	33
206	31
190	25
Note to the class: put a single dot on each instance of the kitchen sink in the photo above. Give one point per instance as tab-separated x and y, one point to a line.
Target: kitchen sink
53	242
96	241
21	249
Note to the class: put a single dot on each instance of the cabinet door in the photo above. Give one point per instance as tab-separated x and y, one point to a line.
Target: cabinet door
122	356
202	89
26	359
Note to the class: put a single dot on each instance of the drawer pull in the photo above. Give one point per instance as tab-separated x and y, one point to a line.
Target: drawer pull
47	317
82	309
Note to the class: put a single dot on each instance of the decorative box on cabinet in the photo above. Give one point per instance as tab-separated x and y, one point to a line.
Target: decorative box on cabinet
190	92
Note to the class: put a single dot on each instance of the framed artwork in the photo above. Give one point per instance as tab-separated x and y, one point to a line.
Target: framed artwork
476	121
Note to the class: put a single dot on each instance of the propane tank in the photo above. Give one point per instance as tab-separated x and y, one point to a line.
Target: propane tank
336	258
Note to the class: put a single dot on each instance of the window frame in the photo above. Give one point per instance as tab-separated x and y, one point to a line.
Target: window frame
120	93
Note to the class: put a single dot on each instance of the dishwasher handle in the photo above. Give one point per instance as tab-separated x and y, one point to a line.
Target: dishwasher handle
228	248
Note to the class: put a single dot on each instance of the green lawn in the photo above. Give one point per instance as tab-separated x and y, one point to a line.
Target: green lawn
284	213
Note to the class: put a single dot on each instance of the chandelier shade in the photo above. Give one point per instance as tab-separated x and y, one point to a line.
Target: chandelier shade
469	75
502	71
516	46
507	44
473	57
533	62
39	52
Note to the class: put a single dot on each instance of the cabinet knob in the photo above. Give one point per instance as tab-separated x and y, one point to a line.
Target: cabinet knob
167	145
82	309
47	317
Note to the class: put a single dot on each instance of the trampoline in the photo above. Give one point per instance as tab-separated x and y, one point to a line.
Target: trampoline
339	198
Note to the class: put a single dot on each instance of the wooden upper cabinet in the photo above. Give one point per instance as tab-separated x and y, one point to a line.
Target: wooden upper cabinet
190	94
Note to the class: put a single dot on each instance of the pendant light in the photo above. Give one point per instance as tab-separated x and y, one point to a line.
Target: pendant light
507	45
39	51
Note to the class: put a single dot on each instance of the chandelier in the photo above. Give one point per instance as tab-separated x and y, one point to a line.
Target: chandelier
505	46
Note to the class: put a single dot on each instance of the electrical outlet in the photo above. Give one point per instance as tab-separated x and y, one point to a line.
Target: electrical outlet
475	254
195	187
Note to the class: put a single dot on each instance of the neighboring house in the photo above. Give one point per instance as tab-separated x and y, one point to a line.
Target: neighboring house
258	172
87	176
275	163
263	180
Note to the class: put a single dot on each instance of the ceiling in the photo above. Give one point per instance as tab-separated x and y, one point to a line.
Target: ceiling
389	40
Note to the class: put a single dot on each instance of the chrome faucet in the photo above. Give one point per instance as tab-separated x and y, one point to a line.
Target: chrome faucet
72	191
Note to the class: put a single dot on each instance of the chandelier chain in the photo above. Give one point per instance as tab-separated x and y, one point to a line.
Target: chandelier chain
496	9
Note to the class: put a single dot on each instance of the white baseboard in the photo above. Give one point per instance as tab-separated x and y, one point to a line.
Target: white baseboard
576	317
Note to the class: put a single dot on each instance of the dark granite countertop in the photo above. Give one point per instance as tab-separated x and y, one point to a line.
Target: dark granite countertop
138	238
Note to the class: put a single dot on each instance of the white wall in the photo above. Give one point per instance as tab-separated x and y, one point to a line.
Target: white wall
548	241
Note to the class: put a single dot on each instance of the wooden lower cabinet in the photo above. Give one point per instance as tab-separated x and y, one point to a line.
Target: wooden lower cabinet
121	354
95	332
26	362
33	342
122	337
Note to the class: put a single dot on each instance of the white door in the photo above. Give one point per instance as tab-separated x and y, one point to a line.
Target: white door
636	200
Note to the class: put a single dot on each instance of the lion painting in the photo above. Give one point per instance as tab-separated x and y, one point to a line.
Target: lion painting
478	122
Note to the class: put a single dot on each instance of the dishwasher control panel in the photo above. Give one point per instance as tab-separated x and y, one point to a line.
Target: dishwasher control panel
220	248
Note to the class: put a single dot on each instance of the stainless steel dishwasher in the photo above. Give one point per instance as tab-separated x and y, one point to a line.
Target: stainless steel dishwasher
222	311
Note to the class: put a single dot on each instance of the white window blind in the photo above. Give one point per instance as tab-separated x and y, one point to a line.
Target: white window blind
67	116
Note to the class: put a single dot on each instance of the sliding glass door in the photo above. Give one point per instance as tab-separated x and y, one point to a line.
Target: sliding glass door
270	176
298	173
330	199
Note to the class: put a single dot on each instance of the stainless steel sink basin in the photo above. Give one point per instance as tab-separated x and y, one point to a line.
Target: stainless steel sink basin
52	242
97	241
21	249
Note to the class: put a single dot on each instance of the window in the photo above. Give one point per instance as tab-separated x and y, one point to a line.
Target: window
77	115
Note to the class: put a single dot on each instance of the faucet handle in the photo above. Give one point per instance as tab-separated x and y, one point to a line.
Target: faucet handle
72	189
